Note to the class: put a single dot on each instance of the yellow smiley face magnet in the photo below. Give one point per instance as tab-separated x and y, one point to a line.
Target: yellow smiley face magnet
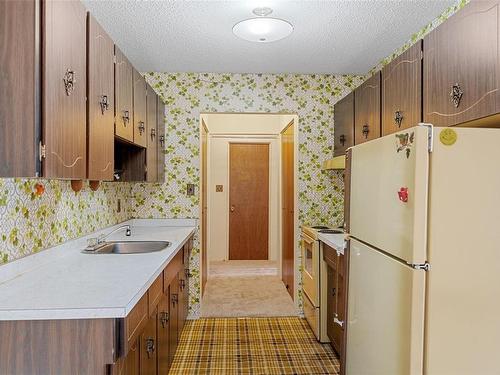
448	136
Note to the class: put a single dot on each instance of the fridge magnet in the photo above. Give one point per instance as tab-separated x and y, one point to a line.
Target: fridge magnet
448	136
404	143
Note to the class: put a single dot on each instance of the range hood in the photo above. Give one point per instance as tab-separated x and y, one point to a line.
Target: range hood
335	163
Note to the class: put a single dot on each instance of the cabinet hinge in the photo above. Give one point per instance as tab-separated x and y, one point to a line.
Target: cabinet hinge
42	151
114	59
423	266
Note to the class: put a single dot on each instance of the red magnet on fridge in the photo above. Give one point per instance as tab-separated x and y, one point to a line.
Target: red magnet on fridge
403	194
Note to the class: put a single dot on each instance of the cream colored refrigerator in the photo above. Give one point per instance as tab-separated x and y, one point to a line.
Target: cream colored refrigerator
424	273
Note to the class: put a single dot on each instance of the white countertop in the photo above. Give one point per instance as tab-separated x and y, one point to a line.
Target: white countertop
63	283
334	240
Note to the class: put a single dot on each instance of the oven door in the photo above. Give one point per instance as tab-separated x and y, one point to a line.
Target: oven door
310	265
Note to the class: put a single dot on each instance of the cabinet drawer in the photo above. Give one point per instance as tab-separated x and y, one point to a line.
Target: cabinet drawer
136	320
154	294
170	272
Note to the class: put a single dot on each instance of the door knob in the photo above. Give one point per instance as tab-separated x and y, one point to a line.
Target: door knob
232	208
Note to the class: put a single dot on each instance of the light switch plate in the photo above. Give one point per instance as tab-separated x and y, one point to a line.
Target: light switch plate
190	189
219	188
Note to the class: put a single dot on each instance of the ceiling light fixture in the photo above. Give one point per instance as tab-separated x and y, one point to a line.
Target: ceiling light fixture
262	29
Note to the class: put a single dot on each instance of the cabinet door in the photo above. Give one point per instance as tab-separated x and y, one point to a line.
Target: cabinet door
100	102
163	325
402	91
344	125
132	360
161	141
152	147
148	350
140	121
182	300
174	316
367	110
123	97
461	66
19	88
331	307
64	89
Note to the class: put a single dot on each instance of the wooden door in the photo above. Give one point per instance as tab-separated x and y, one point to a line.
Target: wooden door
287	208
174	319
123	97
161	140
148	350
163	334
204	207
100	103
152	146
344	125
367	110
248	201
461	66
64	89
402	91
19	88
140	110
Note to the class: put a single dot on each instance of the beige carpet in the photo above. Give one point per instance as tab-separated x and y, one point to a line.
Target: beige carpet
237	289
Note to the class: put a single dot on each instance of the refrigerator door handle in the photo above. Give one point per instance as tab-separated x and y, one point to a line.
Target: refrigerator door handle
422	266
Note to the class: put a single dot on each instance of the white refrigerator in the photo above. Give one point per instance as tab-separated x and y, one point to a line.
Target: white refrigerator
424	272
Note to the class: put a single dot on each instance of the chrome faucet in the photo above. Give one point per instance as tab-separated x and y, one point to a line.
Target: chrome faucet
95	243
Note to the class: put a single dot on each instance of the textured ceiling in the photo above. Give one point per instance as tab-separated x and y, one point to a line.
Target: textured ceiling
196	36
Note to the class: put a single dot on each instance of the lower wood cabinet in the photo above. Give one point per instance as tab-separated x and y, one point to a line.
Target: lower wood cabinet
163	333
148	349
174	320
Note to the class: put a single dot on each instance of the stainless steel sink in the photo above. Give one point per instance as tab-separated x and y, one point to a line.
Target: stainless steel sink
129	247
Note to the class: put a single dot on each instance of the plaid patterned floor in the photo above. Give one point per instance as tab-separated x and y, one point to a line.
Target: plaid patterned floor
254	346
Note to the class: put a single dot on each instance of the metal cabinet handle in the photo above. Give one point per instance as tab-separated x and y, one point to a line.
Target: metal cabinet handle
126	118
162	140
141	127
175	299
182	284
398	117
334	292
232	208
104	104
187	273
153	133
456	94
337	321
69	80
150	346
365	131
164	318
342	139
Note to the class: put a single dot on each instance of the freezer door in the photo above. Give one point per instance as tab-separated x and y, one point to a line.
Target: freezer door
385	315
388	202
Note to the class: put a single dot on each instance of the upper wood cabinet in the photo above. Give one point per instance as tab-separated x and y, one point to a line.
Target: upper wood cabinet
123	97
402	91
461	66
100	103
367	110
20	124
152	136
161	140
64	89
140	121
344	125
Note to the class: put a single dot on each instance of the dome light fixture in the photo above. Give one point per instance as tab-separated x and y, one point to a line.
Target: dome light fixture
262	29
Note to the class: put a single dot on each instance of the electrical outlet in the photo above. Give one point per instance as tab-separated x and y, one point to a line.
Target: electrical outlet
190	189
219	188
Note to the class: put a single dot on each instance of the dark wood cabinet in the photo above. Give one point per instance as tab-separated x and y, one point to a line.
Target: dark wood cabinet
64	89
20	123
163	327
152	136
100	102
140	110
343	125
148	349
402	91
367	110
461	66
161	140
123	97
174	319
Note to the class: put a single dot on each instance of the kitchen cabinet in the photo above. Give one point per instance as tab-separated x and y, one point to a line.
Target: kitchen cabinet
367	110
100	102
402	91
344	125
174	319
64	89
462	67
163	332
148	349
140	110
152	138
123	97
161	140
20	101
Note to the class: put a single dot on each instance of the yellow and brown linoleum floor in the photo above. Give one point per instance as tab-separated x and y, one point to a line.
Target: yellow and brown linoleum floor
265	346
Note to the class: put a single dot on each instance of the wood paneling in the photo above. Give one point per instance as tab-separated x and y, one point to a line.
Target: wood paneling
123	97
287	207
367	110
248	201
161	140
463	51
100	103
19	88
163	325
402	91
78	346
140	110
204	208
64	106
344	125
152	136
148	350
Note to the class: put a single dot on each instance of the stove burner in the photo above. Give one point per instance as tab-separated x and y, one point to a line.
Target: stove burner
330	231
319	227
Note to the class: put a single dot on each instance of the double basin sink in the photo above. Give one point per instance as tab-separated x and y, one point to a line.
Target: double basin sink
129	247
